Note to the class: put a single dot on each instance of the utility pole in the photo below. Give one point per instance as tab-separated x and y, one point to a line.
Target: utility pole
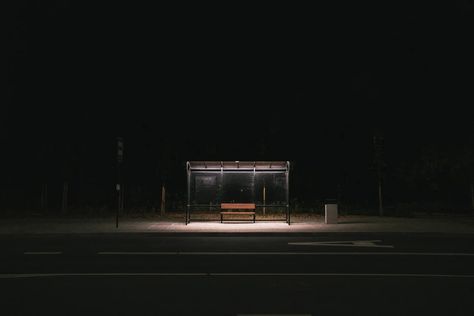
379	165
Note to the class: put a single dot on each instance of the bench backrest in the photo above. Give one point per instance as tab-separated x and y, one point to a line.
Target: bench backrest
238	206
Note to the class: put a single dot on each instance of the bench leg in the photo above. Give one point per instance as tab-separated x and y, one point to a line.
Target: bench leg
254	218
221	218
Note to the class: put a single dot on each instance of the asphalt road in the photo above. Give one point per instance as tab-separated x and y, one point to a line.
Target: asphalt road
237	274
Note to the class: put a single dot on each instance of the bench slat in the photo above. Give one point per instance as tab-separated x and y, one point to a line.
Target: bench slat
245	213
238	212
238	206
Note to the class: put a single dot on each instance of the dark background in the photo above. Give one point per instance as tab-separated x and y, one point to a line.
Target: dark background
312	85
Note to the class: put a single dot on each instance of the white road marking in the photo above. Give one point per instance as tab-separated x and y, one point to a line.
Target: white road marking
350	274
349	243
41	275
161	253
125	274
284	253
42	253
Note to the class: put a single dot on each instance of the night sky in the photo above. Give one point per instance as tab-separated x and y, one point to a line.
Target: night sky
307	84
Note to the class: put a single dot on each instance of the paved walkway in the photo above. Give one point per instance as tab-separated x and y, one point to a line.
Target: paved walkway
439	224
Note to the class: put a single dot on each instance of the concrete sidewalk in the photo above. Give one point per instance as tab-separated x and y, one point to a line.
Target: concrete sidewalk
300	224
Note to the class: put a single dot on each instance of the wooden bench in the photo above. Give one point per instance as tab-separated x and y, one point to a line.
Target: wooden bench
235	207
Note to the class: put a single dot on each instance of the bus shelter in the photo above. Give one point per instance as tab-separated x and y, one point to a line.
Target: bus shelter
211	184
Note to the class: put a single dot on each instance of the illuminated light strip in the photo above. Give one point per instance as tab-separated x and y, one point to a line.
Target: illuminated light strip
410	275
42	253
242	253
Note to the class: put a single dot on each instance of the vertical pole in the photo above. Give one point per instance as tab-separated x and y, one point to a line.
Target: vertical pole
119	196
119	179
264	200
188	204
380	195
288	193
122	196
118	205
378	148
163	200
187	212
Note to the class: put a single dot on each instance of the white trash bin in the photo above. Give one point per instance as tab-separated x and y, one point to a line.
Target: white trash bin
330	213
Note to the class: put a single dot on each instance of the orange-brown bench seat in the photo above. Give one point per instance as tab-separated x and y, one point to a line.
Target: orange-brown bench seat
236	209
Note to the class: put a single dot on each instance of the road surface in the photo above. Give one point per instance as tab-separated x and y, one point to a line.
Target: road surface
237	274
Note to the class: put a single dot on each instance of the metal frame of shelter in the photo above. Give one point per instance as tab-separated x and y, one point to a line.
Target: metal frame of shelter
218	170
